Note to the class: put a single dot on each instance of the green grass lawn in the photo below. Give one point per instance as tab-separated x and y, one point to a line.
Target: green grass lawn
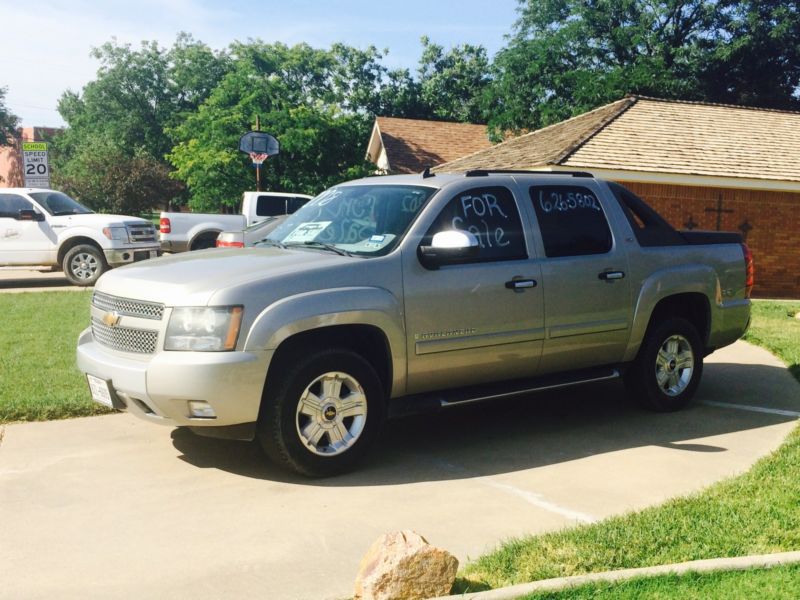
755	513
779	583
39	378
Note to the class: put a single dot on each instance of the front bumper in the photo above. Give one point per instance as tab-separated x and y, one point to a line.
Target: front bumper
158	387
123	256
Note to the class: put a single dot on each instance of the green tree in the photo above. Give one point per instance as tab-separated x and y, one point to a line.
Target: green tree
108	178
757	60
296	91
453	83
126	113
569	56
8	121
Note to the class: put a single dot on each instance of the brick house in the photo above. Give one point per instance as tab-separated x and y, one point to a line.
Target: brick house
702	166
410	145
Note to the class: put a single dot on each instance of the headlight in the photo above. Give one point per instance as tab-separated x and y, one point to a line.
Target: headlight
116	233
204	329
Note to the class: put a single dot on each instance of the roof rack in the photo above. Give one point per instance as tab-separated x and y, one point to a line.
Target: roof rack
487	172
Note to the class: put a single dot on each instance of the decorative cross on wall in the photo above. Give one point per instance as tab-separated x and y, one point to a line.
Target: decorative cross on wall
719	210
745	228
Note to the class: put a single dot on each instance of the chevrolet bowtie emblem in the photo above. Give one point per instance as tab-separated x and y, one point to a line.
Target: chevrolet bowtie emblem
111	318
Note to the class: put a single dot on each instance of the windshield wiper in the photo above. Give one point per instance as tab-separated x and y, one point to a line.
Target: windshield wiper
271	242
323	245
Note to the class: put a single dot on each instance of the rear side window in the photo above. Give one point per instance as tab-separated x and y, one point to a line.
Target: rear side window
272	206
571	220
11	204
648	226
295	203
491	215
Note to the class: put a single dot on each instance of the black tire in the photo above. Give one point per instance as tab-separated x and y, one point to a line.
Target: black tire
282	424
84	264
658	382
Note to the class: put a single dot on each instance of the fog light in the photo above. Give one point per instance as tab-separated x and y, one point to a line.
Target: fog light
201	410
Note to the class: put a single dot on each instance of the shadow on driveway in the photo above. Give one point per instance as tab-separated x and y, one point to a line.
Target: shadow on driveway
529	431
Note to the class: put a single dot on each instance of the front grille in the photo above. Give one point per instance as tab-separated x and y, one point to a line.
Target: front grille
131	308
125	339
145	232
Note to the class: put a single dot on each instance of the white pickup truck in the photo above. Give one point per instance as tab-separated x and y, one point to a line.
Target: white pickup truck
190	231
40	227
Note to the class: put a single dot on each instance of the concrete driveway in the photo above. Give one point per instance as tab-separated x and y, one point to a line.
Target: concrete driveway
110	507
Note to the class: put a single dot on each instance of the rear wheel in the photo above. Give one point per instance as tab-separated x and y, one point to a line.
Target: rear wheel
84	264
205	241
667	370
321	416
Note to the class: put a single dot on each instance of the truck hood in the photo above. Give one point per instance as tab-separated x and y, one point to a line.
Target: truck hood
95	221
192	278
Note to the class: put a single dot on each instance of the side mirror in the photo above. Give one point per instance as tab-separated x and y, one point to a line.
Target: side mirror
28	214
448	247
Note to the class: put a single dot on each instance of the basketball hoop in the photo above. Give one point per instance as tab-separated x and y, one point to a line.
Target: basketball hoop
258	158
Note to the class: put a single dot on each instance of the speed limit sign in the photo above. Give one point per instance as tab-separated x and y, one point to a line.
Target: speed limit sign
34	164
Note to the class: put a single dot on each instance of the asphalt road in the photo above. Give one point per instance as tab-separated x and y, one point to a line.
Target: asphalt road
111	507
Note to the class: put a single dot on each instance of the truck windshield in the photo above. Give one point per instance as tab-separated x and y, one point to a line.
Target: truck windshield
367	220
57	203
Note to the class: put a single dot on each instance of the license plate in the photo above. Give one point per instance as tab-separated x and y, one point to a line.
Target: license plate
153	253
99	389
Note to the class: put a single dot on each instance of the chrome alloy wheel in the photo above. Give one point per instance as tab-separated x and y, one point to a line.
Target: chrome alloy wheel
674	365
331	414
84	265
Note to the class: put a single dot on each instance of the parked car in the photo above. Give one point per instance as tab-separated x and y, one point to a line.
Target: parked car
197	231
389	295
41	227
249	235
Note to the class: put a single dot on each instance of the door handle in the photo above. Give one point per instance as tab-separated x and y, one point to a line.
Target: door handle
520	284
610	275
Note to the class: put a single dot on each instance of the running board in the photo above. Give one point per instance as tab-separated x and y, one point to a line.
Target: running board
434	401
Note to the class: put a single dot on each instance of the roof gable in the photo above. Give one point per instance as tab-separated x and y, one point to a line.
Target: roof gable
413	144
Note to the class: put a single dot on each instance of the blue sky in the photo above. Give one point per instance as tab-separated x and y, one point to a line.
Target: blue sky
46	43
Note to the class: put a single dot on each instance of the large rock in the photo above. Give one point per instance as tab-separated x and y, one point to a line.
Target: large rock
404	566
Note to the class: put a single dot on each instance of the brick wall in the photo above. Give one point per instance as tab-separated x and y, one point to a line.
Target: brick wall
773	216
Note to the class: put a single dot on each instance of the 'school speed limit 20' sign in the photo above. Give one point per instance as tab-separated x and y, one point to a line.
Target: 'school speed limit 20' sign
34	164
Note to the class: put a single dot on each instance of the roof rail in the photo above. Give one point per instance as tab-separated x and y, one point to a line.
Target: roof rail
487	172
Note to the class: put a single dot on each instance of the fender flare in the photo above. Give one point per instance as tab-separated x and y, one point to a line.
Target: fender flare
308	311
692	278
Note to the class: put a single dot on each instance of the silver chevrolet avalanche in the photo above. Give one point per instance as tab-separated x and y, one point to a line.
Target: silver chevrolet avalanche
392	295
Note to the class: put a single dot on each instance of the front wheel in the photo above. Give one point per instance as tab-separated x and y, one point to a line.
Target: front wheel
322	414
667	371
84	264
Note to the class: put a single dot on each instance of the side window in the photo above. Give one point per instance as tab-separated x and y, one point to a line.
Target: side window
295	203
271	206
491	214
571	220
11	204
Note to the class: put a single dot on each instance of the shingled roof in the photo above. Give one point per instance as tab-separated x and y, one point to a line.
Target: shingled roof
410	145
651	135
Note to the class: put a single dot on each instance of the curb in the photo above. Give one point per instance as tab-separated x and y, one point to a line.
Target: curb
696	566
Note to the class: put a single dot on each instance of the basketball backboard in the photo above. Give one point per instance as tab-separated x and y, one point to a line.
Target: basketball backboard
260	143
